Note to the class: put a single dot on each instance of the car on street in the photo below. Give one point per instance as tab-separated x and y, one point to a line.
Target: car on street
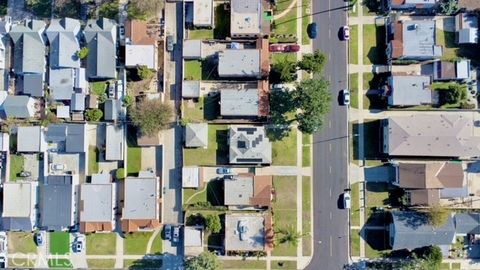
167	231
346	200
3	262
224	170
292	48
39	239
122	32
312	30
170	43
176	234
346	97
345	32
276	48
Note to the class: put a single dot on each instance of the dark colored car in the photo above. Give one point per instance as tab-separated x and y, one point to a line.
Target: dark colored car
292	48
276	48
312	30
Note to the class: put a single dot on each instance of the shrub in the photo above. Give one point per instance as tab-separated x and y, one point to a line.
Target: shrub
82	53
93	115
145	73
120	173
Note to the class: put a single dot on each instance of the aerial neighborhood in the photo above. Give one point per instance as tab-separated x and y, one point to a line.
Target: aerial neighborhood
239	134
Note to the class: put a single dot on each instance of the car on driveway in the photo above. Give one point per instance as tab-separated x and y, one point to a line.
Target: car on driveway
78	244
39	239
176	234
292	48
346	97
3	243
276	48
170	43
224	170
167	231
347	201
312	30
345	32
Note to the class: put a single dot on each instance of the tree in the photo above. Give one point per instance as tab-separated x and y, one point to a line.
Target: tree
313	98
284	71
41	8
93	115
82	53
449	7
120	173
109	10
145	73
289	235
127	101
313	62
437	215
433	257
213	223
151	116
143	9
205	261
280	106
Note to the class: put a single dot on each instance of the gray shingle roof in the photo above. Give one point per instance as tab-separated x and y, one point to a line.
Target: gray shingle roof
196	135
78	102
249	145
467	223
411	230
19	106
56	133
76	141
61	83
56	212
101	36
30	139
29	47
113	110
32	84
62	35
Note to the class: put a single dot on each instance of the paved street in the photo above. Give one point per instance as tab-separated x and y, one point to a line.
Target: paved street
330	151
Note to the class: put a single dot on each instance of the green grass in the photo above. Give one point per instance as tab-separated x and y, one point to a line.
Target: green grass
281	57
59	243
200	34
193	70
222	23
142	264
101	243
240	264
456	265
306	19
306	215
157	245
100	264
367	81
291	265
98	88
351	11
353	45
21	263
445	266
373	46
355	235
92	160
206	108
355	210
59	263
376	244
134	160
16	166
21	242
371	135
284	152
136	243
377	195
192	196
353	83
371	7
286	25
217	151
306	138
284	211
306	156
447	40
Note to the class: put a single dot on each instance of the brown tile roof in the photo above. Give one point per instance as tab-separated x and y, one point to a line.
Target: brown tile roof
130	225
424	196
447	70
269	233
398	2
397	42
263	46
431	175
86	227
136	31
469	4
263	98
262	190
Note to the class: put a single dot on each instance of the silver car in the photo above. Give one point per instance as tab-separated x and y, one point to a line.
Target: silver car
167	230
176	234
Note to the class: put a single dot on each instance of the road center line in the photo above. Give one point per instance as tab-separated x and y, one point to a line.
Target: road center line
330	168
330	147
331	216
330	123
331	247
330	192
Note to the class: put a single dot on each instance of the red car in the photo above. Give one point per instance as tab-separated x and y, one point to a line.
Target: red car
292	48
276	48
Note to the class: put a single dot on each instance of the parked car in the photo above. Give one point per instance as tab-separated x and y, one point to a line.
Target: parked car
228	177
57	167
242	229
224	170
346	97
345	32
78	244
111	90
3	262
122	32
292	48
346	200
3	243
276	48
170	43
25	174
39	239
176	234
312	30
167	230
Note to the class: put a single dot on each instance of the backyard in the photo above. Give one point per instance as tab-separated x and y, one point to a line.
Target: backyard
92	160
447	40
101	243
212	193
284	151
215	154
284	211
200	34
98	88
16	166
134	153
206	108
59	243
196	70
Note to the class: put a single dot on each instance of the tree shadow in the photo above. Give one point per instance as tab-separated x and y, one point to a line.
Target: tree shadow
148	262
211	106
222	23
215	194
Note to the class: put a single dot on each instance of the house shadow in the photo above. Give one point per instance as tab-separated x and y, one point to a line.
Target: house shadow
379	174
377	54
215	194
372	133
211	106
221	136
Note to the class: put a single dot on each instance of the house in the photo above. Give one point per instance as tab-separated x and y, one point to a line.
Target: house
140	45
410	5
247	19
80	80
19	107
19	201
63	111
71	137
425	183
4	142
5	26
192	177
248	191
466	26
78	102
97	204
63	38
248	232
440	135
58	207
114	142
467	223
31	84
31	139
113	110
141	210
29	47
191	89
412	40
101	38
249	145
242	63
243	103
192	49
411	230
451	71
408	90
199	13
468	5
193	240
61	82
196	135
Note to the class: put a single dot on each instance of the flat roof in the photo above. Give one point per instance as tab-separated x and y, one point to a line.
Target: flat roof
410	90
253	237
246	17
141	198
142	55
114	142
203	12
193	236
19	199
239	102
96	202
190	177
239	63
239	190
419	39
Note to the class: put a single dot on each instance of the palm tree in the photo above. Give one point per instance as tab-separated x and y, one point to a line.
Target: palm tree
289	235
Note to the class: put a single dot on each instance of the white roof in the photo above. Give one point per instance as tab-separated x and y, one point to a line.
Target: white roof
193	237
190	177
254	235
142	55
246	17
63	111
203	12
19	199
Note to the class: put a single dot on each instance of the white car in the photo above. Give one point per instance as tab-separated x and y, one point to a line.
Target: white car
57	167
347	200
346	97
345	32
78	244
3	243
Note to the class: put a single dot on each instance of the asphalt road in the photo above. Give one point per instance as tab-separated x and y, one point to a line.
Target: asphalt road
330	150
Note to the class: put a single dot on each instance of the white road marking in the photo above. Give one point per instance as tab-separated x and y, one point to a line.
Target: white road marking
330	167
331	247
330	147
330	193
331	216
330	123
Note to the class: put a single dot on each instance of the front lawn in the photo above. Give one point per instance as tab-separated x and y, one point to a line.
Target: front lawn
21	263
374	45
376	243
215	154
306	19
355	211
157	245
92	160
353	45
377	195
101	243
353	83
16	166
287	24
136	243
101	264
59	263
193	70
241	264
59	243
291	265
306	215
143	264
284	211
282	57
21	242
284	152
200	34
371	137
355	244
